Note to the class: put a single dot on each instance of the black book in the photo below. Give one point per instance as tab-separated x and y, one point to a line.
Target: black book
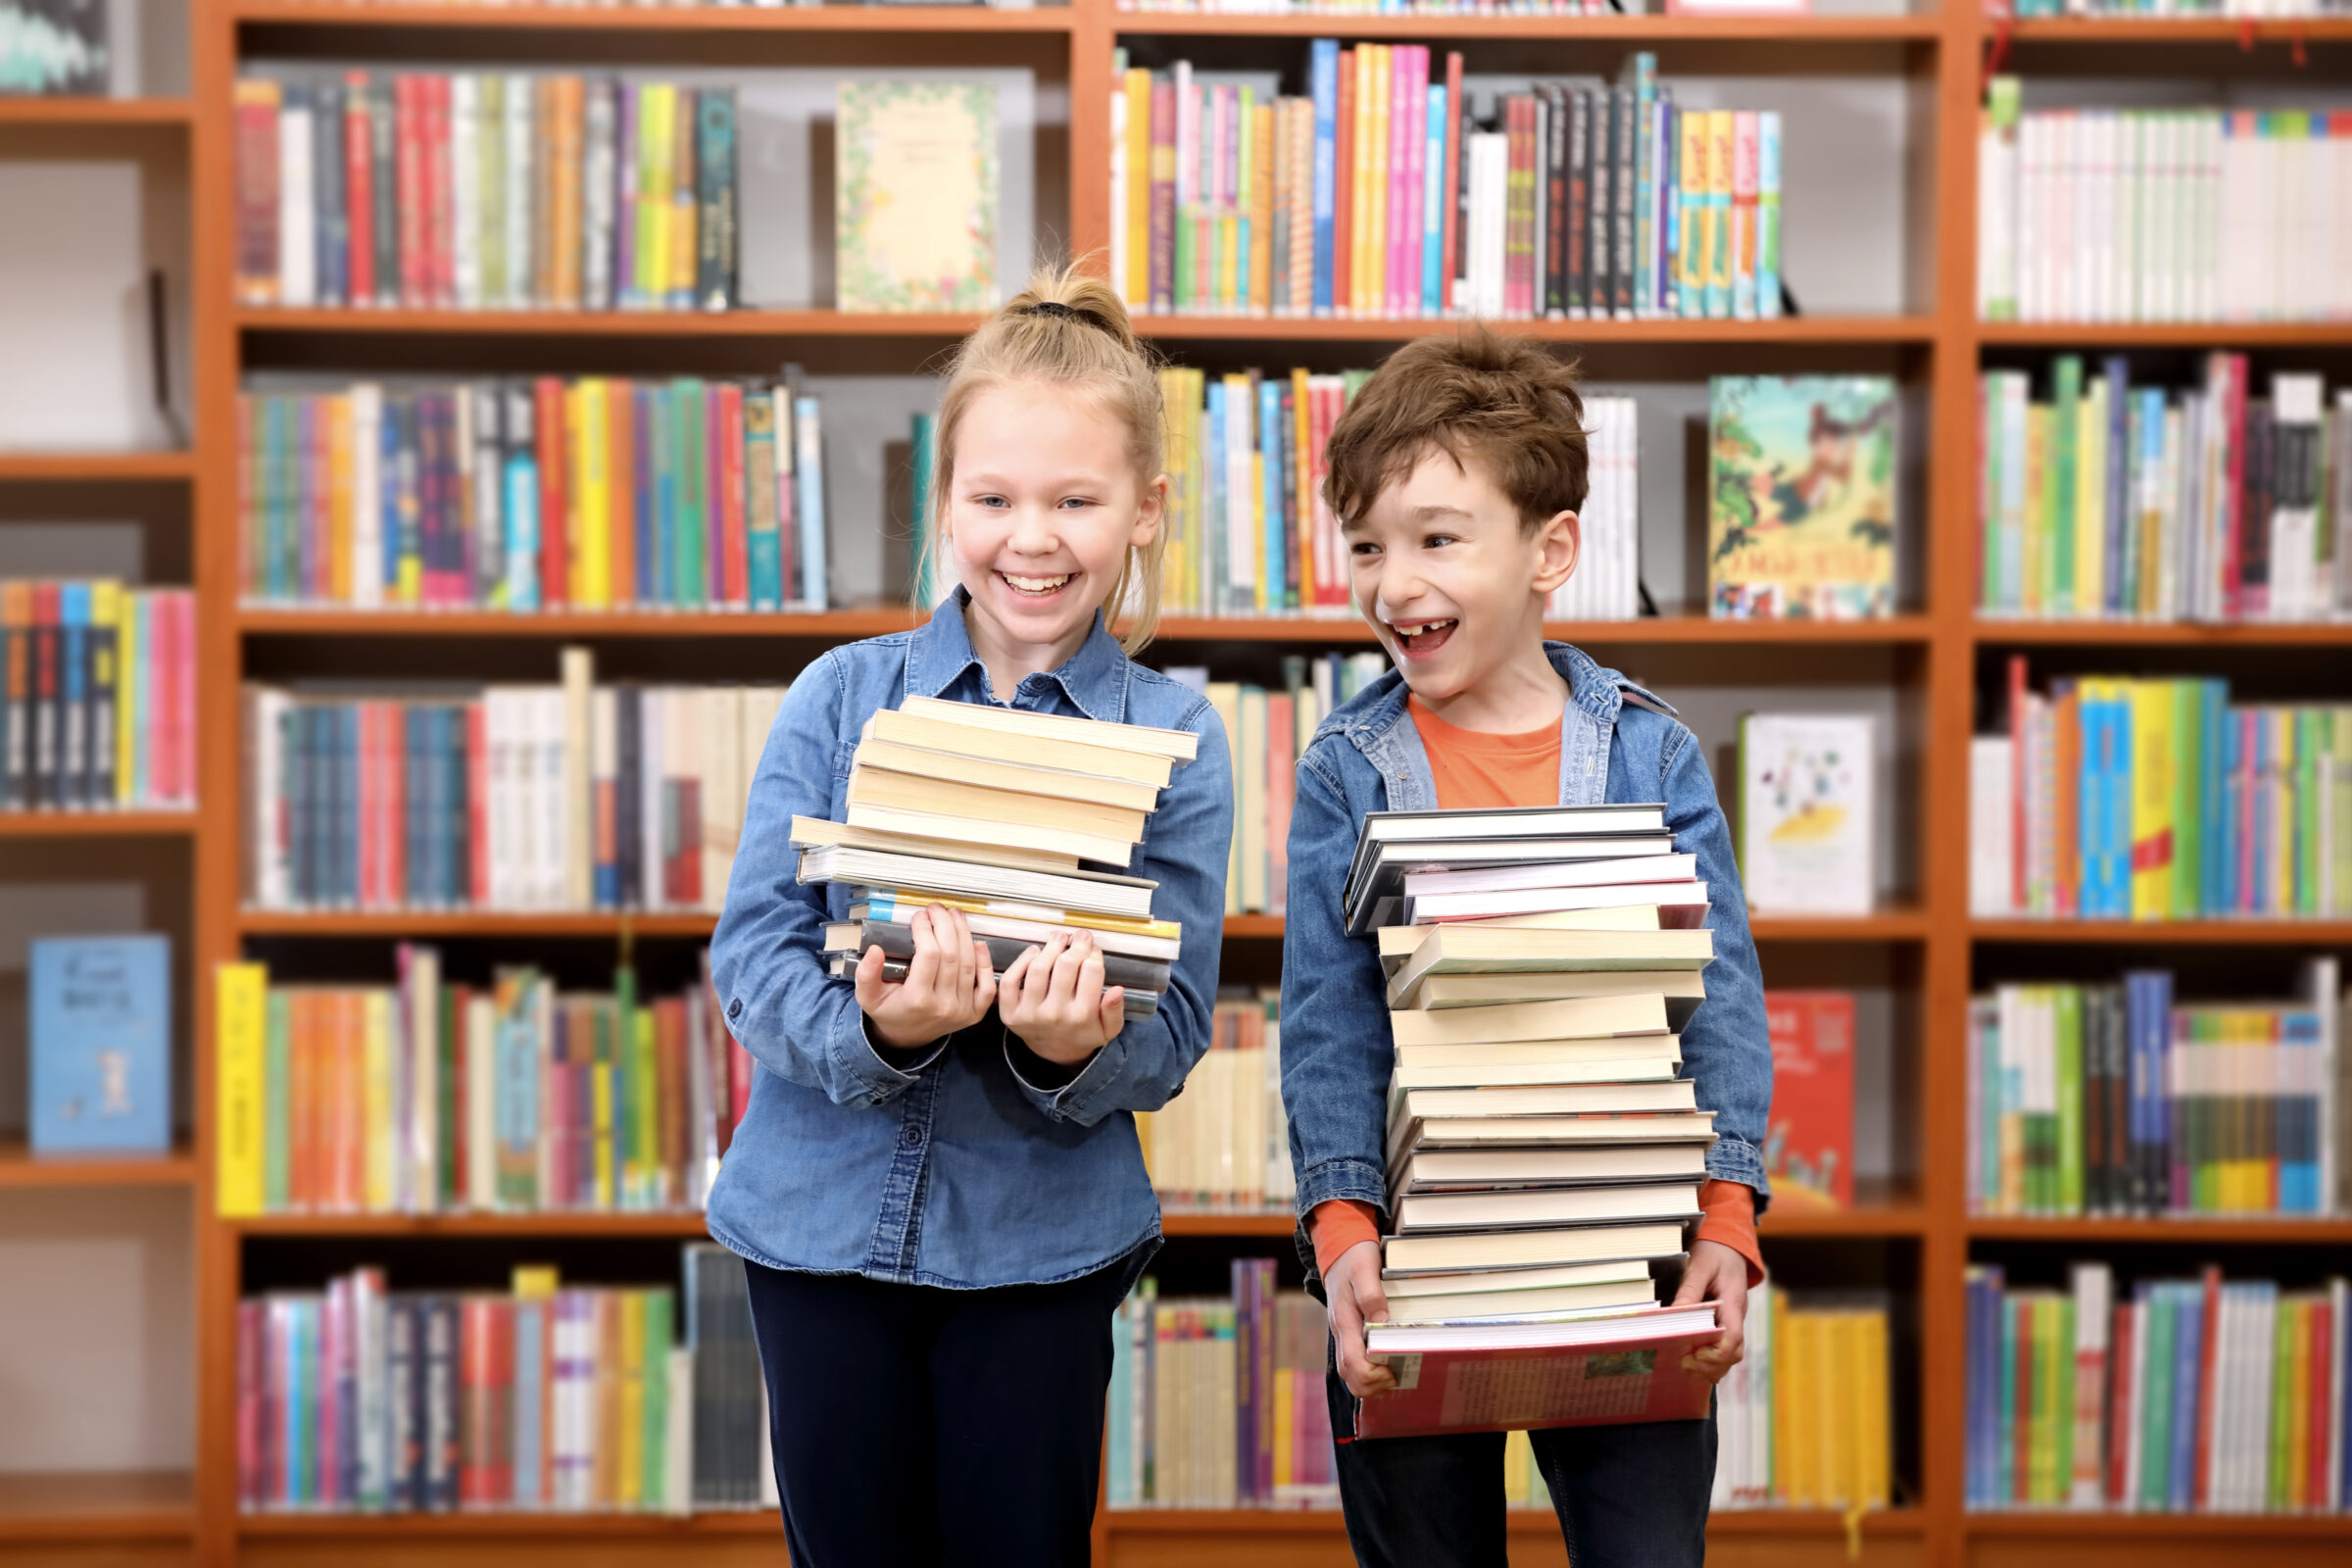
383	183
628	822
1554	155
1575	265
438	1479
1600	217
334	226
2254	509
715	197
1621	186
403	1403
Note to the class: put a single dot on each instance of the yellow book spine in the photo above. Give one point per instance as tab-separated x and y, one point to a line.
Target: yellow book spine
628	1470
657	105
239	1006
1360	209
338	498
600	1097
1518	1452
1719	204
382	1144
1261	210
2035	540
594	451
1691	266
2152	825
1265	523
127	717
1229	260
684	216
2090	501
1833	1405
1138	217
1873	1415
1286	1404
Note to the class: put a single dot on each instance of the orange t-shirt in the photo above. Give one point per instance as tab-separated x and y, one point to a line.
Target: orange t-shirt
1475	770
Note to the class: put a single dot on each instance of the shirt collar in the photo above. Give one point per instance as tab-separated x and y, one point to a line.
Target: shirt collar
1094	678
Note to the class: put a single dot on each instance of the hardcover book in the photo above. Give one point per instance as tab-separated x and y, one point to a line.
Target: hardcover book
1802	504
1806	797
918	195
1809	1142
1509	1376
101	1044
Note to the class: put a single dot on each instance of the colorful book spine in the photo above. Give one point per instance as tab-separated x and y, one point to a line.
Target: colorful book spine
97	709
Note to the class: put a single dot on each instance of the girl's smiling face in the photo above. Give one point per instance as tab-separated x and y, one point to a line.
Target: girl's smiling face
1044	507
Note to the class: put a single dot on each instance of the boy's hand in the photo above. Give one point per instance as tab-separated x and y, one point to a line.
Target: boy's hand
1053	998
1716	1273
1354	1289
949	985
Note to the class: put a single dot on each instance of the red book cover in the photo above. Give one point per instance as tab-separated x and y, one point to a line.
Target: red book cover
358	186
2027	1359
409	178
1634	1374
256	109
1343	191
2201	1484
441	188
251	1481
2066	835
476	1335
1449	253
1809	1142
686	882
2121	1395
2322	1380
477	799
735	583
555	461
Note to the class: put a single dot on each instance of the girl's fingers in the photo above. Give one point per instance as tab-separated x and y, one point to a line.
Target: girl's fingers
1016	973
922	970
1069	972
872	987
958	935
984	977
1112	1015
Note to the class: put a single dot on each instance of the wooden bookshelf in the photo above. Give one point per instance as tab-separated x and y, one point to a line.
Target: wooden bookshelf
174	114
1940	54
74	1516
21	1168
98	824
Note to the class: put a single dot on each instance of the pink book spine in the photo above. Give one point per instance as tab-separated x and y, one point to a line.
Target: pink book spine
1398	169
1416	187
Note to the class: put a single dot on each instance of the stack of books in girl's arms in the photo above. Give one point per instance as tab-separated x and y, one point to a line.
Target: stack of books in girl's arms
554	493
485	190
1542	1150
988	810
1389	191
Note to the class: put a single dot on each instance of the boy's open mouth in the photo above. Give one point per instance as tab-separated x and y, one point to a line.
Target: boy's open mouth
1034	587
1423	637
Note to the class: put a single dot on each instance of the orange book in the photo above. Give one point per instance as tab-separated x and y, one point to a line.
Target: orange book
2066	732
620	482
1262	212
1809	1141
302	1100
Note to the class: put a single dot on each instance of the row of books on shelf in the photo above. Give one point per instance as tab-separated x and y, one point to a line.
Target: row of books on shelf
1387	191
1807	1419
2118	502
568	795
2158	799
433	1096
1224	1144
97	696
549	1396
554	493
484	190
2203	1394
2116	1099
2162	215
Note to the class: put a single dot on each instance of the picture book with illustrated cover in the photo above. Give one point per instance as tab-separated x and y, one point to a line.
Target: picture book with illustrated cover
1802	505
917	193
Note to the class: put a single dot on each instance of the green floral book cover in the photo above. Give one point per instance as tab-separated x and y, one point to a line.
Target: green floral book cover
915	190
1801	497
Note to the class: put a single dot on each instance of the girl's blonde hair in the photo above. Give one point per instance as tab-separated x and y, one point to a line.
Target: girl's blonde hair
1067	329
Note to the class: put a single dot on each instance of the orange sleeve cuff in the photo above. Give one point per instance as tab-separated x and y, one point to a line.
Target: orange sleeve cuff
1339	1223
1730	1210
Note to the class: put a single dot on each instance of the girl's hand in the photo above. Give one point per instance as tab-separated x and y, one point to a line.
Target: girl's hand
1053	998
1352	1287
1716	1273
949	985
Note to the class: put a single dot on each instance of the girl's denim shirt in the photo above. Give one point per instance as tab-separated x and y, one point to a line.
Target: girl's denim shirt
1618	743
981	1164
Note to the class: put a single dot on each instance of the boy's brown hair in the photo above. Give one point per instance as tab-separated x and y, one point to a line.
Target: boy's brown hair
1506	401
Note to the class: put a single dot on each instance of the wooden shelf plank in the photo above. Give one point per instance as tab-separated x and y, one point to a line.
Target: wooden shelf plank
96	1505
1646	28
2169	933
2202	1230
2165	334
512	1526
686	1224
1523	1521
638	18
609	324
2165	1527
96	465
79	113
97	824
1900	923
21	1168
1209	1222
2205	30
1291	328
2163	634
1864	1221
840	625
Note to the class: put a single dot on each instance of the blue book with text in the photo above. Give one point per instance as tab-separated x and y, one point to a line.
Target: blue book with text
101	1044
1323	82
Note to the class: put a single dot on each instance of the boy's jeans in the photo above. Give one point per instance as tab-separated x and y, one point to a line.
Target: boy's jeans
1628	1497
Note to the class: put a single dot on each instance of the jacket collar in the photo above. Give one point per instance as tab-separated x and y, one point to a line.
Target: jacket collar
940	652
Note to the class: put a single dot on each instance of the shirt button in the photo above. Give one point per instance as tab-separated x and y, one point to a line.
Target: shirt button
912	1137
735	1008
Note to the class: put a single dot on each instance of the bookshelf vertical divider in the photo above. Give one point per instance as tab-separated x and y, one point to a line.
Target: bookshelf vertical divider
1942	53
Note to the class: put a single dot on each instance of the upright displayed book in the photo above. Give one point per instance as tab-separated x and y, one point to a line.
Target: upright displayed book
101	1044
1543	1151
1809	1145
53	47
988	810
1802	507
1808	791
915	194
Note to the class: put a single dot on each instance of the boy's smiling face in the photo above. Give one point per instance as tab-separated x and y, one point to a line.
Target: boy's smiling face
1455	584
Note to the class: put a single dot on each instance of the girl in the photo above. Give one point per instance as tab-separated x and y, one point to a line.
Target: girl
936	1190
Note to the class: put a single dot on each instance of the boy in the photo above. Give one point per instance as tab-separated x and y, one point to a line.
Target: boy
1456	474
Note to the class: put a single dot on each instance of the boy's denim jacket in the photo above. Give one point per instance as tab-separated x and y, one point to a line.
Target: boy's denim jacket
1617	742
981	1165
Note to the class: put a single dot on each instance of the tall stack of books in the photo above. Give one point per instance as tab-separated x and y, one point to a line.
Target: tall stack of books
1542	1150
988	810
